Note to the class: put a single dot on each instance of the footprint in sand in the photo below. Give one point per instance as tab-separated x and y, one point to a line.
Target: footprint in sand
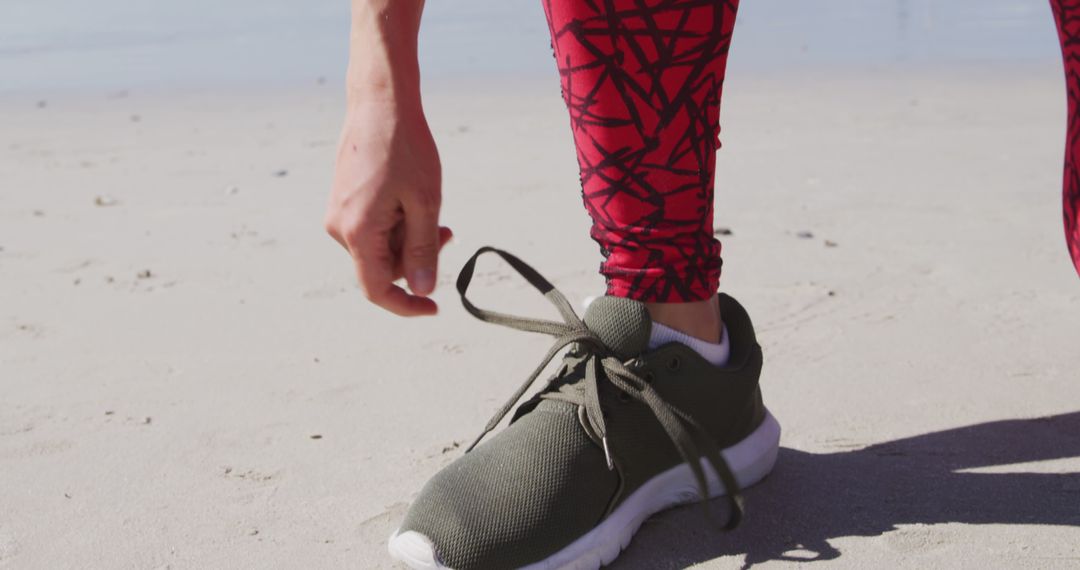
30	329
444	347
250	475
41	448
15	428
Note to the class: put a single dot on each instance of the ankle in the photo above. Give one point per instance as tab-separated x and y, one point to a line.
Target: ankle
700	319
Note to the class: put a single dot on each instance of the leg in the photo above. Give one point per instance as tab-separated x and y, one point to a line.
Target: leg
642	80
1067	13
621	430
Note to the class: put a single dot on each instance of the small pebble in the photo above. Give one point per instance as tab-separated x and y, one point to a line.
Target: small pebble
723	232
39	213
109	412
830	243
316	436
147	420
105	201
281	173
232	190
144	274
805	235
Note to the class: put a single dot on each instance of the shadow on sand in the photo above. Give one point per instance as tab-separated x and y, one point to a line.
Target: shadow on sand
811	498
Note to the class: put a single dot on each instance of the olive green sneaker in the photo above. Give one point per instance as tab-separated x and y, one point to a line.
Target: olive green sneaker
617	434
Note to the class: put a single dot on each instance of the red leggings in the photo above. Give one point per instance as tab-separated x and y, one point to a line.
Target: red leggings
1067	13
642	80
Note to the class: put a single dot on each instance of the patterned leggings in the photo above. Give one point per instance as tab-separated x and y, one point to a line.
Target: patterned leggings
642	80
1067	13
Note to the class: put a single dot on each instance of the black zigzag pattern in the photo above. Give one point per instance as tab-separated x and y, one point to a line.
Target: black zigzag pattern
1067	14
642	80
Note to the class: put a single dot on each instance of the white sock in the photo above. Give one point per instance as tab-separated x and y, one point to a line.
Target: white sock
716	353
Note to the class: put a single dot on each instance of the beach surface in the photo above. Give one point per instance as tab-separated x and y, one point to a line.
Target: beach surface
190	377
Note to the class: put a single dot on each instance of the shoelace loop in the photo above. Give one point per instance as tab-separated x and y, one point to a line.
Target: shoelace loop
690	439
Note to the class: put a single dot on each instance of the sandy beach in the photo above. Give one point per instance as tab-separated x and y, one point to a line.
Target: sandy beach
191	379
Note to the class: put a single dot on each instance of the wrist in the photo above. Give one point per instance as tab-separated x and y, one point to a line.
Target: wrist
388	86
383	113
366	106
383	67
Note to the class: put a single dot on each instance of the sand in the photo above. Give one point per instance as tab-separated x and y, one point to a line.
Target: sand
190	378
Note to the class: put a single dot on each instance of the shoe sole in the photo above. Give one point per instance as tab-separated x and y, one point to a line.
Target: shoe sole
751	460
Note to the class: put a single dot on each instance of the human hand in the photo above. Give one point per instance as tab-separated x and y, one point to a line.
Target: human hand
384	206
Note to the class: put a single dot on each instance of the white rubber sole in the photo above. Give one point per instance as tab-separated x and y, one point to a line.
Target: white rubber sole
751	460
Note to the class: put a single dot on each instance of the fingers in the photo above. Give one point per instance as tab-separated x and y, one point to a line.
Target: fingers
420	250
445	235
331	229
401	303
374	271
379	261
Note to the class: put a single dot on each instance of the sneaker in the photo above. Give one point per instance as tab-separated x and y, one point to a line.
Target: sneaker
617	434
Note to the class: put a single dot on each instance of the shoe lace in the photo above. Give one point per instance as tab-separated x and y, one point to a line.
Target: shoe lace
690	439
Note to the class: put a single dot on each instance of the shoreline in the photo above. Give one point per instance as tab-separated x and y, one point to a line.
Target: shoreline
519	83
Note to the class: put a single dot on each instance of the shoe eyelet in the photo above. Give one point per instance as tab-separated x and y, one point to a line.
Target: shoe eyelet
674	364
649	377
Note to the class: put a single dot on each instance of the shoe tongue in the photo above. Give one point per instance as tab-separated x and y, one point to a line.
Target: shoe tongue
623	325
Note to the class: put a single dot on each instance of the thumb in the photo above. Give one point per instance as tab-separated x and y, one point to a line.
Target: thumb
445	235
420	251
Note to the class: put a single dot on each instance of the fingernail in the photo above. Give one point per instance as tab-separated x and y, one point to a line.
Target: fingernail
423	281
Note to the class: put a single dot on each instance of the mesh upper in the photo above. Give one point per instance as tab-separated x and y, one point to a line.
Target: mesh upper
622	324
542	483
525	494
